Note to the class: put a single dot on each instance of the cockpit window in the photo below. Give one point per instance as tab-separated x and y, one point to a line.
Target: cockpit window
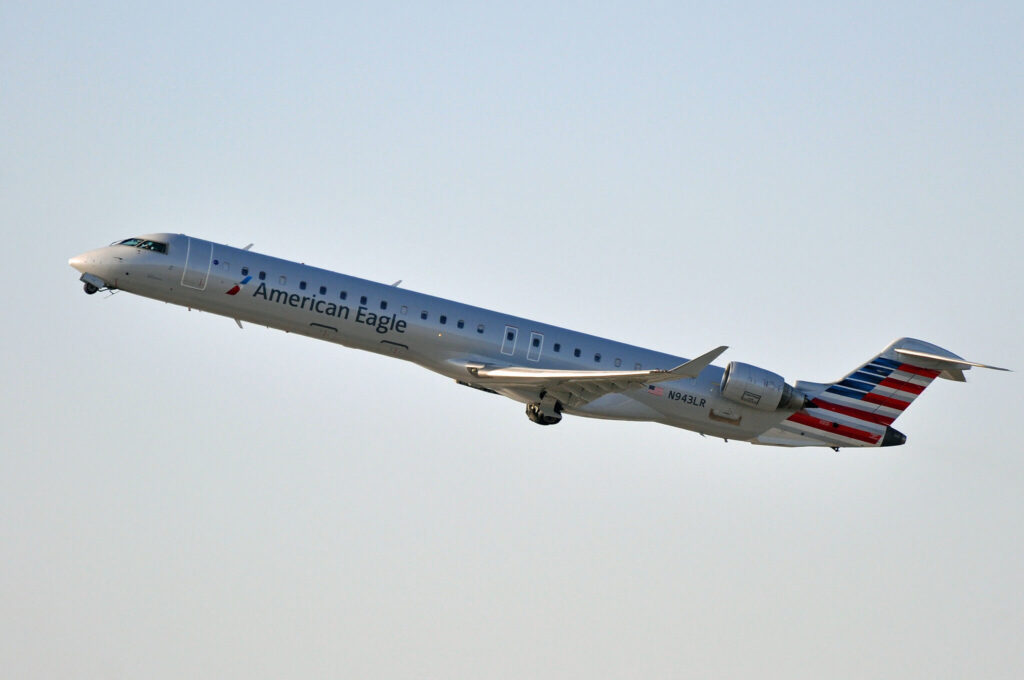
141	244
155	246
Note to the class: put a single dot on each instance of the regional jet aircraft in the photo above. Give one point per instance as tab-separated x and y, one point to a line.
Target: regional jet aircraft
554	371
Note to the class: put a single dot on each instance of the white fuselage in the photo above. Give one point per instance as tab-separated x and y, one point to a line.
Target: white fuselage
441	335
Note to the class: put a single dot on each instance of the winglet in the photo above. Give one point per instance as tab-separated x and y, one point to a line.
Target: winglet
693	367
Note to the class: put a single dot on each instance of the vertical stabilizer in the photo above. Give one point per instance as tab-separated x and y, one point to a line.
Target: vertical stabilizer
860	409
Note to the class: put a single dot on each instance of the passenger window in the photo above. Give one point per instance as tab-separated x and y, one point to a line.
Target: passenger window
597	358
404	310
423	315
461	324
383	304
511	336
536	342
245	271
263	276
362	299
618	362
283	280
443	319
480	328
558	347
302	285
343	295
323	290
576	352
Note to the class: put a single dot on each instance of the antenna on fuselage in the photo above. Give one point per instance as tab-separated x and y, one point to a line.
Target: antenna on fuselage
248	246
396	283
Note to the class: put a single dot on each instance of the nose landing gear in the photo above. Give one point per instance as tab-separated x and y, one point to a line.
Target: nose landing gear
92	283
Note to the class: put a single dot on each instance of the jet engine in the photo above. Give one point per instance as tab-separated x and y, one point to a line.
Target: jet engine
758	388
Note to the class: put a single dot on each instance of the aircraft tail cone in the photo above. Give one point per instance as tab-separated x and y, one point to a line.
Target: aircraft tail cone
893	437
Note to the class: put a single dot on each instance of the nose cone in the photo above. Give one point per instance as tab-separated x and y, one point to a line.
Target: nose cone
97	263
92	261
79	262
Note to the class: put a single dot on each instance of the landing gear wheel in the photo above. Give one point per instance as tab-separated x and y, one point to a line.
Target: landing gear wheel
534	413
89	288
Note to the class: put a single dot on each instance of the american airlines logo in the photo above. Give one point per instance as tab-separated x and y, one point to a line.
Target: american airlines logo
238	286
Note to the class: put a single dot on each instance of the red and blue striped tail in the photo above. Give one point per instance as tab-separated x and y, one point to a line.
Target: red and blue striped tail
877	392
859	409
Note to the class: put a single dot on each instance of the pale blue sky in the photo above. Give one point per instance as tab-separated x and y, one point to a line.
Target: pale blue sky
802	182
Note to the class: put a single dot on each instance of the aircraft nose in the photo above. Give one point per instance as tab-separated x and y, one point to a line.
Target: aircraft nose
91	261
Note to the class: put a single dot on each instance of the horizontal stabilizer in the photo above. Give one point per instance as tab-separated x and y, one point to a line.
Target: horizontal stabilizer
945	362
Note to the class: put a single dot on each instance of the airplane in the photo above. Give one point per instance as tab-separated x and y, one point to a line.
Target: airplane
554	371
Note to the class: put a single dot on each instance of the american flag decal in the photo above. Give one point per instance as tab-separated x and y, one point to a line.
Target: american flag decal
655	390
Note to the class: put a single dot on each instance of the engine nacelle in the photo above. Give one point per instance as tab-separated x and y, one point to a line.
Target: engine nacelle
758	388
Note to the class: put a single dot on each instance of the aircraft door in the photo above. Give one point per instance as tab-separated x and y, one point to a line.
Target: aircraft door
536	347
508	343
197	264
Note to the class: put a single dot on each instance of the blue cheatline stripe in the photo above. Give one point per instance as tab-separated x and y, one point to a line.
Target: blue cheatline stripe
886	362
867	377
835	389
246	280
867	387
877	370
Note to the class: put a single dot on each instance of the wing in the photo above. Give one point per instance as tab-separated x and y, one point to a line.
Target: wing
574	388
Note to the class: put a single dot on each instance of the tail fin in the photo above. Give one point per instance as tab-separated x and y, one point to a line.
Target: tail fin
859	409
880	390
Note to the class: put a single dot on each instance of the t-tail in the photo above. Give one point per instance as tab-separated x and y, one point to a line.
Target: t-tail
859	409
